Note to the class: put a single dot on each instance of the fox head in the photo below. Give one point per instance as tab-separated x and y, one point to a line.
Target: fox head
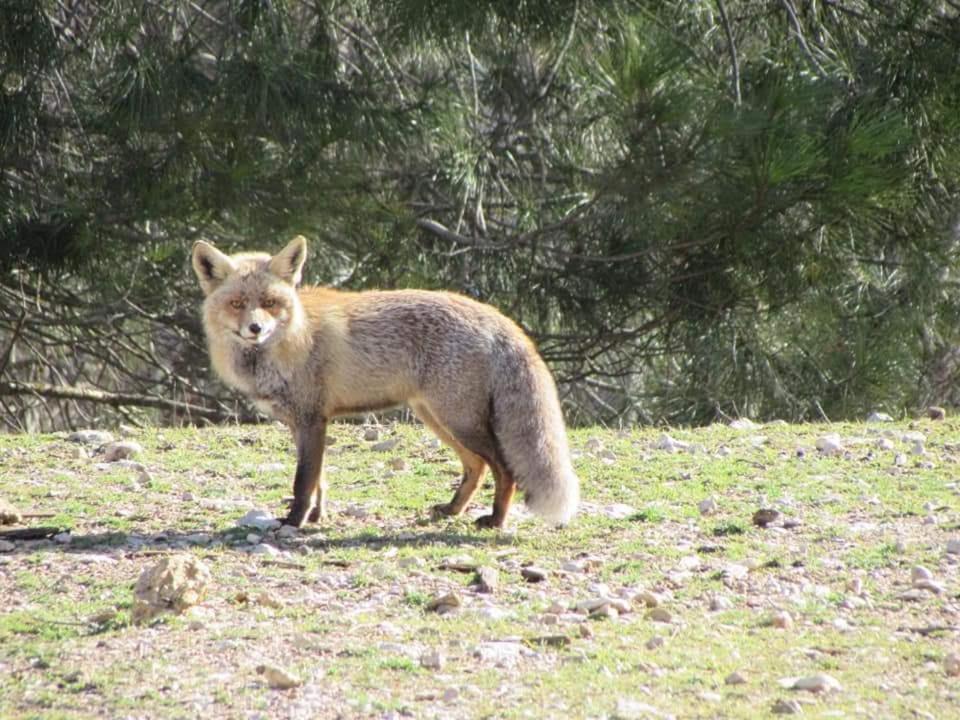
251	298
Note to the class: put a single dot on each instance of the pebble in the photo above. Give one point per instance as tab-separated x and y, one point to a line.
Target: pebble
533	574
444	604
657	641
884	444
253	538
919	573
371	434
951	665
821	682
953	547
765	516
659	614
259	519
781	620
278	678
385	445
735	678
432	660
264	549
487	580
619	511
459	563
786	707
6	546
855	585
91	437
397	464
830	444
499	653
63	538
879	417
122	450
707	506
720	602
670	445
743	424
650	599
285	532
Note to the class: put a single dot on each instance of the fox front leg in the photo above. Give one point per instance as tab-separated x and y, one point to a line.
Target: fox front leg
308	485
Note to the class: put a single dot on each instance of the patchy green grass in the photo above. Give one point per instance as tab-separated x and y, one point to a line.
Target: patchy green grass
345	605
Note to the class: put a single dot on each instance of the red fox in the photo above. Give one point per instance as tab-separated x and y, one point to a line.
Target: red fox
467	372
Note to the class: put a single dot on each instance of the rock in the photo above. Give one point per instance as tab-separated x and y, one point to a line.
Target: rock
385	445
432	660
606	611
630	709
919	573
444	604
707	506
884	444
64	538
953	547
9	515
912	595
411	562
356	511
259	519
285	532
743	424
657	641
781	620
659	614
951	665
122	450
198	539
253	538
278	678
398	464
786	707
670	445
268	600
173	584
487	579
459	563
649	599
91	437
371	434
720	602
533	574
819	683
931	586
855	585
879	417
264	549
734	571
935	412
593	445
499	653
102	617
618	511
7	546
735	678
830	444
765	516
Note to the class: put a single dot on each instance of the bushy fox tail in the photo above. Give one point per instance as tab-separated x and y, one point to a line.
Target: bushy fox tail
528	425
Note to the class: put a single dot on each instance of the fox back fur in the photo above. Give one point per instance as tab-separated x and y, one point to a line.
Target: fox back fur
469	373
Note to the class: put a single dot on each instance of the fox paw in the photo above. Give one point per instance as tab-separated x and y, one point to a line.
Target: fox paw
317	514
442	510
488	522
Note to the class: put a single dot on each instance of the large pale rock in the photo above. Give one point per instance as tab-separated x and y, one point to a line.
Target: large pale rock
171	585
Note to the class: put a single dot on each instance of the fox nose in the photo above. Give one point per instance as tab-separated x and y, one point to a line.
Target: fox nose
255	328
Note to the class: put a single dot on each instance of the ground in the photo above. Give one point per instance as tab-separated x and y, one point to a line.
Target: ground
664	597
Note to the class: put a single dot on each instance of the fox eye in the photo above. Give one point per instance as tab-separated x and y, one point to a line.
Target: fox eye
268	302
238	304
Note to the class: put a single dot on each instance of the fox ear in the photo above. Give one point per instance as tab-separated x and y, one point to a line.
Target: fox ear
288	263
211	266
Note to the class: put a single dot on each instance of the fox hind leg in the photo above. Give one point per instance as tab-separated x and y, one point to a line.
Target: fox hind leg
474	466
319	510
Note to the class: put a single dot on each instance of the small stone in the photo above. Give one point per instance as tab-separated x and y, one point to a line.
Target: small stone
884	444
951	665
285	532
707	506
358	512
879	417
618	511
385	445
450	694
411	562
912	595
920	573
444	604
264	549
487	580
253	538
173	584
780	620
743	424
501	654
657	641
899	460
670	445
7	546
735	678
605	612
278	678
918	449
935	412
259	519
122	450
586	631
397	464
855	585
830	444
64	538
821	682
432	660
268	600
786	707
102	617
953	547
930	585
593	445
765	516
659	614
371	434
720	602
459	563
9	515
91	437
533	574
649	599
